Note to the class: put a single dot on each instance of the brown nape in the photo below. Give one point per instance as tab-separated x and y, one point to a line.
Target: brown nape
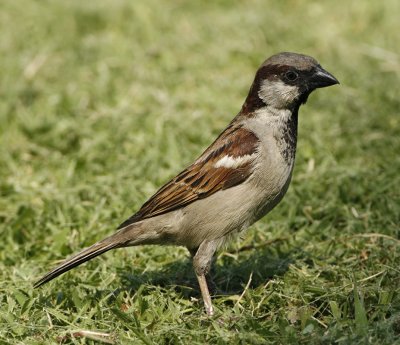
253	101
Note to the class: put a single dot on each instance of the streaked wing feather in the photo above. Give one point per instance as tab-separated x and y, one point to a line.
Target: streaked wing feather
202	178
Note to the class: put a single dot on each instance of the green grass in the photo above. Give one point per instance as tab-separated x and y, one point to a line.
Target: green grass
102	102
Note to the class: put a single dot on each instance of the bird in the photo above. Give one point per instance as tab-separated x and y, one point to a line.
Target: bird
236	181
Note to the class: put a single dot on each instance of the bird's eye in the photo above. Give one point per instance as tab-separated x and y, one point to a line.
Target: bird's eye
291	76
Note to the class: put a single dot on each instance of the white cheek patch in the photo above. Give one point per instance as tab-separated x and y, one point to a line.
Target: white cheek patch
233	162
278	94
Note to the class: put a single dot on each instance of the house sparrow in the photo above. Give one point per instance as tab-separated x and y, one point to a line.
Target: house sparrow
237	180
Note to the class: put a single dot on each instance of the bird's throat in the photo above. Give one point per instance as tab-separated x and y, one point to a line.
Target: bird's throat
287	139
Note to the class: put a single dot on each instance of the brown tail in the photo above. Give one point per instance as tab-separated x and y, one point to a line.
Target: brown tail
85	255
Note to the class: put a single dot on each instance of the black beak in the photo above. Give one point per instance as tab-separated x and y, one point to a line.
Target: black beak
322	78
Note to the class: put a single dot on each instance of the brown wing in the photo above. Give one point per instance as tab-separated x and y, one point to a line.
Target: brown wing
205	176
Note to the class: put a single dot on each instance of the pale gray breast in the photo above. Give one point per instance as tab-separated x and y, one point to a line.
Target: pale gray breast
277	132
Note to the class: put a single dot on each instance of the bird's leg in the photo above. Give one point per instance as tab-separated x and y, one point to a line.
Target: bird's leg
201	263
209	279
205	293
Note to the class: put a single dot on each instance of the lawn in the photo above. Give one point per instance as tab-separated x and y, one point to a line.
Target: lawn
102	102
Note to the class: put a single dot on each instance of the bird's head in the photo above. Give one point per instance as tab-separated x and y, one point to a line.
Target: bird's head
285	80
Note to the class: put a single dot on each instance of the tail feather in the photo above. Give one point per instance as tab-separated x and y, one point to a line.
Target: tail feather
85	255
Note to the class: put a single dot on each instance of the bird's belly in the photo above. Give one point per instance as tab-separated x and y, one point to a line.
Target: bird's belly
228	211
272	192
272	176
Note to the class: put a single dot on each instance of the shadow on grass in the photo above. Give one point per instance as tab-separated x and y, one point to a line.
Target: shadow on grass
229	274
